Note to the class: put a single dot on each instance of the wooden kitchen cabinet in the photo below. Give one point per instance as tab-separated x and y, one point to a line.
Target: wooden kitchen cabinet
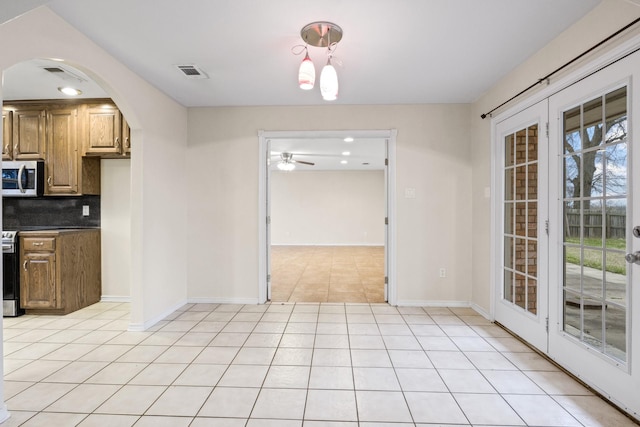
103	130
7	135
51	131
61	160
29	132
126	138
60	270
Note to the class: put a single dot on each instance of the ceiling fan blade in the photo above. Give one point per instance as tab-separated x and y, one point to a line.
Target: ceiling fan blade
303	162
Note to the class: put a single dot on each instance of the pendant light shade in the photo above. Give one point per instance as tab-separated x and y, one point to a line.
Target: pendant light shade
329	82
321	34
306	73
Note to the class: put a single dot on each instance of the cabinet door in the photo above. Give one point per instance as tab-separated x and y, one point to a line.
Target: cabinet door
29	134
103	130
38	281
61	160
126	138
7	135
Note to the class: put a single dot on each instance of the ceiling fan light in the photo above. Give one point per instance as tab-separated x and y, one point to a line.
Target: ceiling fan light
329	82
286	166
306	73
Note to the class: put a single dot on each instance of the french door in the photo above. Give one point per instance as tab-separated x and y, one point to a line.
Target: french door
521	270
595	201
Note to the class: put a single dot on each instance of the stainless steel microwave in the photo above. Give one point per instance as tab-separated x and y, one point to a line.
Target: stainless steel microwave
23	178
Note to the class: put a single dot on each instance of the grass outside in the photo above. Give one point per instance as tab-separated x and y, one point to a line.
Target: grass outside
593	258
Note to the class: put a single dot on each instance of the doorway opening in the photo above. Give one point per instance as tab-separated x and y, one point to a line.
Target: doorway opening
327	234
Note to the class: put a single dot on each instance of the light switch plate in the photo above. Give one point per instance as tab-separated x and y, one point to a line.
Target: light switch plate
409	193
85	210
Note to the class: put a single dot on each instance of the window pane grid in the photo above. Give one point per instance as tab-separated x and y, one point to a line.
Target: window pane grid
521	218
595	201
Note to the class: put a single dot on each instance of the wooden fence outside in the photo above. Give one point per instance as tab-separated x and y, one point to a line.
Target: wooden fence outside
615	223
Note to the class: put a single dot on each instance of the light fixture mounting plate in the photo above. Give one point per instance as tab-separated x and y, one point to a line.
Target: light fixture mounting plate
321	33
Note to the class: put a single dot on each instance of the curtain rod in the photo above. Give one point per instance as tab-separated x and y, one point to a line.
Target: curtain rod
545	78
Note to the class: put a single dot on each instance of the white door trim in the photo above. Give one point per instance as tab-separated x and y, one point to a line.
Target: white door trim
263	171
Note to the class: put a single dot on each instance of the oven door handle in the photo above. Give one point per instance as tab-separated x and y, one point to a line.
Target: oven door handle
20	172
7	248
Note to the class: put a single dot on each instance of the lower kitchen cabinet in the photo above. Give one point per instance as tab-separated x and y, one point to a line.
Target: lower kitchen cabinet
60	270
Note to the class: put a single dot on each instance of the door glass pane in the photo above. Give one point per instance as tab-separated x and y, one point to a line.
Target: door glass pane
521	219
508	286
508	218
595	210
509	156
509	193
616	332
572	314
572	271
520	290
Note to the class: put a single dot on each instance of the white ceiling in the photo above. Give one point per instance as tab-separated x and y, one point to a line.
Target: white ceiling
392	52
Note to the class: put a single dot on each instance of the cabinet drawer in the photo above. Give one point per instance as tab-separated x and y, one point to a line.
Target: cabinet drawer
39	244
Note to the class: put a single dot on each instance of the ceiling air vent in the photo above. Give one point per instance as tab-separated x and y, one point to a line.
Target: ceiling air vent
192	72
64	74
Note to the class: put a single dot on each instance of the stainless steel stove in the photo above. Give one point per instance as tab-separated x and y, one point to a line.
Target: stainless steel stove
11	274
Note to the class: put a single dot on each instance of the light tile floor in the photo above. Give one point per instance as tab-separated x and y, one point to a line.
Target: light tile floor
327	274
285	365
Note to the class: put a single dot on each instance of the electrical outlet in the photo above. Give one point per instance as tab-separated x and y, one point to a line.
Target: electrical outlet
443	272
85	210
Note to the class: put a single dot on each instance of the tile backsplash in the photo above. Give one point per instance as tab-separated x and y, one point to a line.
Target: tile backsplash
21	213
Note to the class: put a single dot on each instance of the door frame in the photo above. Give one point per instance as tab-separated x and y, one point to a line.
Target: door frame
533	328
263	194
617	52
611	55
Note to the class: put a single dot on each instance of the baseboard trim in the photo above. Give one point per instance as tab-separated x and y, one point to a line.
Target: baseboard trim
205	300
115	298
140	327
413	303
329	244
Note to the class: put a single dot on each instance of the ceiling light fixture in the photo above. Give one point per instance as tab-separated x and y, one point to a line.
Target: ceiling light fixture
346	153
348	139
319	34
286	166
70	91
344	162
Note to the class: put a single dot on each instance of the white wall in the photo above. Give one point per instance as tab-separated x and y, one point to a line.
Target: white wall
115	224
327	208
602	21
433	157
159	135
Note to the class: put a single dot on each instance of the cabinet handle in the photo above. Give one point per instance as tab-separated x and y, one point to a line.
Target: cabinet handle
49	180
6	148
118	142
24	265
127	143
15	149
38	244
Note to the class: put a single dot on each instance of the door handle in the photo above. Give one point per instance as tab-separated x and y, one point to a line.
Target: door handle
633	258
636	231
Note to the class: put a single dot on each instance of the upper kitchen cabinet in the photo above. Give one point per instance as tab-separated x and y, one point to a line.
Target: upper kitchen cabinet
29	132
7	135
61	163
106	133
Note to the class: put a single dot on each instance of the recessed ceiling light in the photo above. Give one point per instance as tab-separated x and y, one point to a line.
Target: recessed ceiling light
348	139
344	162
346	153
69	91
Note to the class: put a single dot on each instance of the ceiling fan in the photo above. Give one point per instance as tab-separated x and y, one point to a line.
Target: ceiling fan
288	164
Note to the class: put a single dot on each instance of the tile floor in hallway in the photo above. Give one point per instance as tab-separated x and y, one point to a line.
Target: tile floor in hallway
285	365
327	273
